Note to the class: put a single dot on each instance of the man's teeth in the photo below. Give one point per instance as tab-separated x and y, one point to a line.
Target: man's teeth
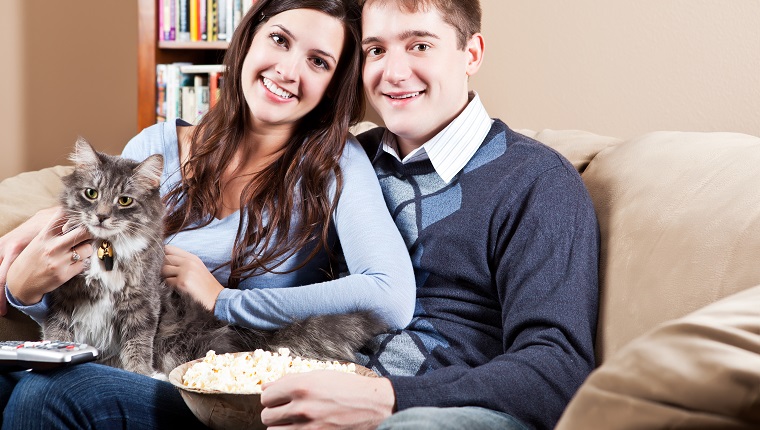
405	96
275	89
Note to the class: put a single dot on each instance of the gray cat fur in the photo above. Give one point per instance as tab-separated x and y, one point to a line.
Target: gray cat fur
135	320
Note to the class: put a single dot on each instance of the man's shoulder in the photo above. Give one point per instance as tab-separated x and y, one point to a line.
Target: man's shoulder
371	139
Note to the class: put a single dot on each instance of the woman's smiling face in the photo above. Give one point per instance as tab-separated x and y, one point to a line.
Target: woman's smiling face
291	61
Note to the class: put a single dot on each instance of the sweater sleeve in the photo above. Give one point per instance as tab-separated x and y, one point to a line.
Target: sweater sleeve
544	264
381	277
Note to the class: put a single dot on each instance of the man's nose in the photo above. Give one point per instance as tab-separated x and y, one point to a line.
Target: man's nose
397	67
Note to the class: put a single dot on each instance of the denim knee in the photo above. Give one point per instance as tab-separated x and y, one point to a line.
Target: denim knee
469	417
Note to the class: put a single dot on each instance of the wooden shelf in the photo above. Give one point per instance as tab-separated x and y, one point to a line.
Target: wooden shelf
151	51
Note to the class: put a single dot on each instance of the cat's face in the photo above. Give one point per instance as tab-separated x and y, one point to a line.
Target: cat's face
114	198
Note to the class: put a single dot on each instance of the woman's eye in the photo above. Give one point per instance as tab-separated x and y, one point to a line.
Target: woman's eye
374	52
322	64
276	38
125	201
91	194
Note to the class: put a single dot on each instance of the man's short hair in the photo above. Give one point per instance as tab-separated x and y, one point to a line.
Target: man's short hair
464	15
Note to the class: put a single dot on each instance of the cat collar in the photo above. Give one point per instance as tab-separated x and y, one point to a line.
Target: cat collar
105	253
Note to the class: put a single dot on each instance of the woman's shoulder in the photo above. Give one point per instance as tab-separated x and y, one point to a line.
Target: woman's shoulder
159	138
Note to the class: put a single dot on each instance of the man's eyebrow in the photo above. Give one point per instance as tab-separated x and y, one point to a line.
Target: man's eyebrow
318	51
404	35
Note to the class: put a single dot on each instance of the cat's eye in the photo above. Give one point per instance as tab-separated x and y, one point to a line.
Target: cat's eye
125	201
91	193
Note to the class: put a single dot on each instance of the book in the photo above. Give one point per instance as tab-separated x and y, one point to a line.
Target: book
201	96
212	23
160	92
188	112
193	20
221	14
214	83
183	21
202	15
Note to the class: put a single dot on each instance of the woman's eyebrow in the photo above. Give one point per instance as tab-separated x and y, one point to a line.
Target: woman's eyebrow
292	36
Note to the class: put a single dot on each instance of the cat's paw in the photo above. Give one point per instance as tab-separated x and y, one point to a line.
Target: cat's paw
161	376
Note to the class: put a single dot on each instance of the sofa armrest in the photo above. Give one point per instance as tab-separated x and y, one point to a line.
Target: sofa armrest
17	326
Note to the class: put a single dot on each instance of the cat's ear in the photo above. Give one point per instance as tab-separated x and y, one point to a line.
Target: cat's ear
84	154
149	171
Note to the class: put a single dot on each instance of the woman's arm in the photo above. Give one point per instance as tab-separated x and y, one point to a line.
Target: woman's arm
381	276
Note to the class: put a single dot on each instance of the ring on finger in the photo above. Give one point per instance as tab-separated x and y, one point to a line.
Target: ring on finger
74	255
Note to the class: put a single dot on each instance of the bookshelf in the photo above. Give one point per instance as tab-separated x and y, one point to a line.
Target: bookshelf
151	51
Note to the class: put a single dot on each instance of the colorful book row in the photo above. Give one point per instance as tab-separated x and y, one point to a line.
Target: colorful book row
186	91
200	20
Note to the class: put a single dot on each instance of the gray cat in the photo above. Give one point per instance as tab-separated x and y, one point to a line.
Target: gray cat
120	304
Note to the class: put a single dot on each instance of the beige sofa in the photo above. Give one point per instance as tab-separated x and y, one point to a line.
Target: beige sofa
679	215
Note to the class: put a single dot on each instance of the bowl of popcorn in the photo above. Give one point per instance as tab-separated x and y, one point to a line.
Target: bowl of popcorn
223	390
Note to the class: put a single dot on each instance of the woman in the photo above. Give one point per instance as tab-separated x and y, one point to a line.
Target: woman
270	157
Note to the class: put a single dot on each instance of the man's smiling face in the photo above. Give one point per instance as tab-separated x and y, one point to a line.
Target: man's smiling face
415	75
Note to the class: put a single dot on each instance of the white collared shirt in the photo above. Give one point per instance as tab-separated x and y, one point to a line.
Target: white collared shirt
450	149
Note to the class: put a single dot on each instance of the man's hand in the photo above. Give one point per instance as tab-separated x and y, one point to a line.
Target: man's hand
186	272
326	399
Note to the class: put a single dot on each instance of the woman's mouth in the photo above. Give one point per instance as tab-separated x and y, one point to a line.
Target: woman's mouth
274	89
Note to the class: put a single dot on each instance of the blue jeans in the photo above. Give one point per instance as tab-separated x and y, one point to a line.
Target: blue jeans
468	417
91	396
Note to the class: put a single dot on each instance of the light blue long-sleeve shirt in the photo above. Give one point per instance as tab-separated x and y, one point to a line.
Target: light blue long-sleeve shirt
380	272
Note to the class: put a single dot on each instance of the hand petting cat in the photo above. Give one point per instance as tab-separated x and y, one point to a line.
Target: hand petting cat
185	272
47	260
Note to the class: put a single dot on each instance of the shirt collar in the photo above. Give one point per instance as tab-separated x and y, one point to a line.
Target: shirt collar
451	149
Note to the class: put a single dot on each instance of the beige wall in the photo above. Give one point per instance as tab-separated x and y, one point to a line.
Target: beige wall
613	67
70	69
622	68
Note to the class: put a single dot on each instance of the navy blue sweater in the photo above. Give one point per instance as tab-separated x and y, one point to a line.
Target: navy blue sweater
506	261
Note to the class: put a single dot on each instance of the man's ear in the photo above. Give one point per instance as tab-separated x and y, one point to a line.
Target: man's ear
474	49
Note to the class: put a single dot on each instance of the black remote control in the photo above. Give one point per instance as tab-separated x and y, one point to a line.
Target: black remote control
42	355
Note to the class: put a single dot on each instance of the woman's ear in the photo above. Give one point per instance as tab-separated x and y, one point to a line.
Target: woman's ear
474	49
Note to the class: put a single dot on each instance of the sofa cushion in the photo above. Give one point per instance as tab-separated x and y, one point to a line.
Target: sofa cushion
21	196
578	146
679	215
697	372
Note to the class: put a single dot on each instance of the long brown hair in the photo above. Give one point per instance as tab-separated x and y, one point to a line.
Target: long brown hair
304	169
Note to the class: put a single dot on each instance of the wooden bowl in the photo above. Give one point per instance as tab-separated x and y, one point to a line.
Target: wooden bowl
228	411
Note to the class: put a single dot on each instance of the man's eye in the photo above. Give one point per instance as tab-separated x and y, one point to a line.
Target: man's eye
91	194
421	47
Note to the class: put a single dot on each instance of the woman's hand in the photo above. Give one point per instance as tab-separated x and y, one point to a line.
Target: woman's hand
40	265
186	272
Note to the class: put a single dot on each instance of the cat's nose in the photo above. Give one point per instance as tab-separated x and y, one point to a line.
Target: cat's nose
102	218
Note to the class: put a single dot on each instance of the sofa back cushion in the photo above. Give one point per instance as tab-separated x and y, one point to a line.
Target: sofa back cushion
679	215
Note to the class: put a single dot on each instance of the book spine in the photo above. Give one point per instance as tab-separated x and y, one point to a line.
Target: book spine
230	18
183	26
193	19
221	14
160	92
203	15
201	96
212	23
213	88
172	19
161	31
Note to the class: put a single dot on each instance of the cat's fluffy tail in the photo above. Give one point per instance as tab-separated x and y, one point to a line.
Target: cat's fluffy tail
328	337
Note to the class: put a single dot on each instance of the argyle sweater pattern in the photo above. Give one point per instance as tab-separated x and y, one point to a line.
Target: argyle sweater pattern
506	263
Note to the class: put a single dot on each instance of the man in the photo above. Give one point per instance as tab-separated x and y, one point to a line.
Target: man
502	235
